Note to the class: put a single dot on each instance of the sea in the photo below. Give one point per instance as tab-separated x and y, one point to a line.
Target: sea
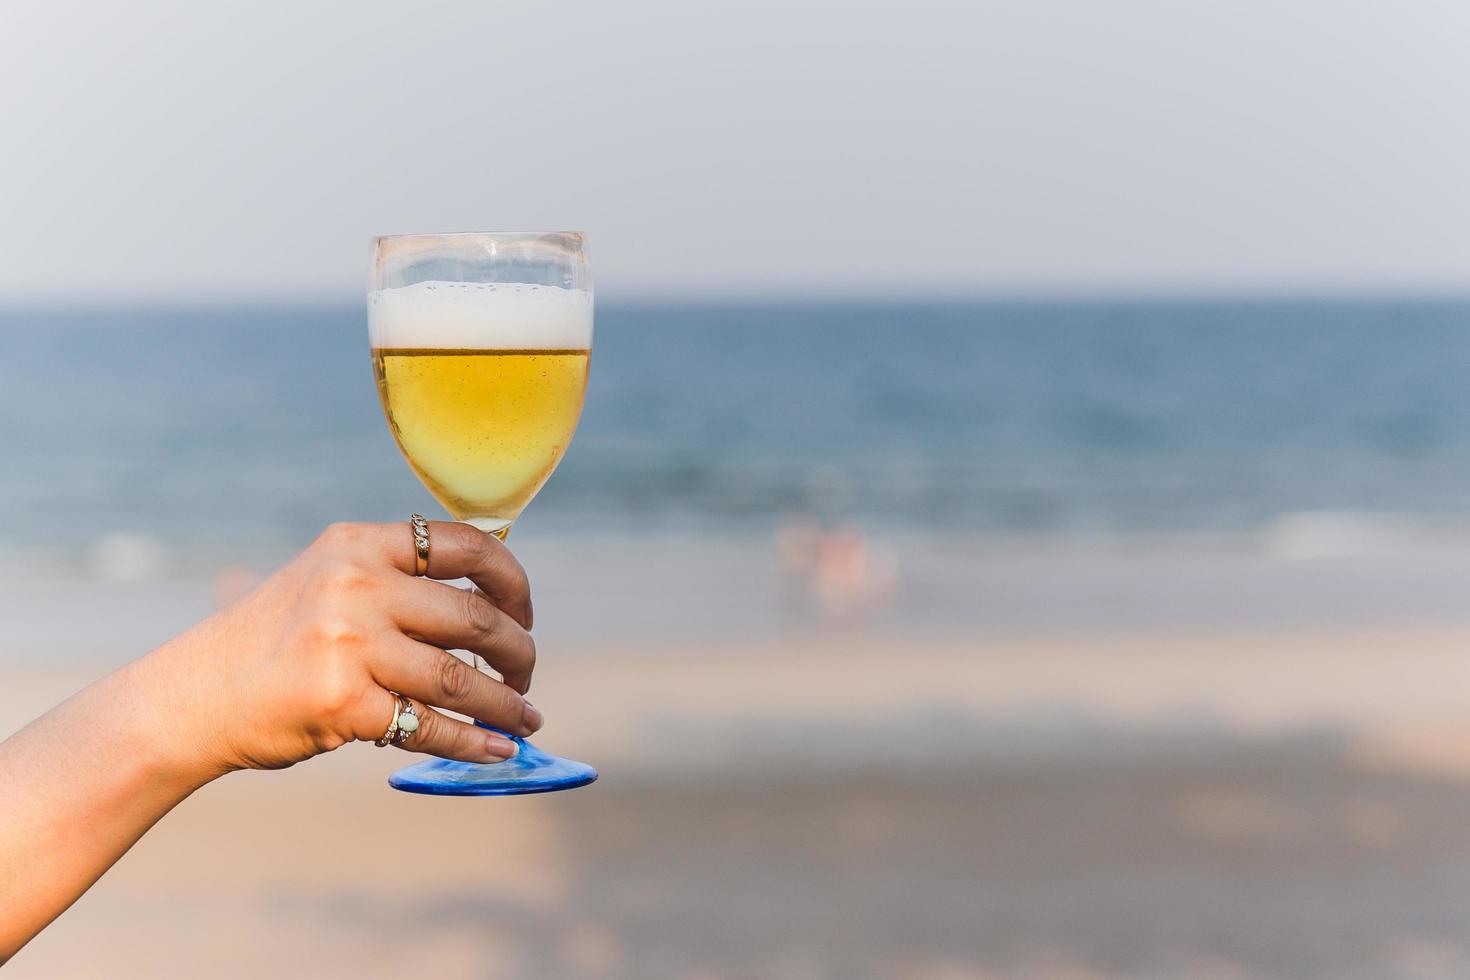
211	436
1041	418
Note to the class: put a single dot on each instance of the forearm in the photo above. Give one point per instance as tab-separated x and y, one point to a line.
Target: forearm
315	658
82	783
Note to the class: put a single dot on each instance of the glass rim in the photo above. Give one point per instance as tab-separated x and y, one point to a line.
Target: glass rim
404	236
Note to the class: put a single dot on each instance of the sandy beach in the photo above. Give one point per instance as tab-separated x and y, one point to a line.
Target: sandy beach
1155	804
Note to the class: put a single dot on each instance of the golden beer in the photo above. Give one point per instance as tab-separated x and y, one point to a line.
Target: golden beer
483	429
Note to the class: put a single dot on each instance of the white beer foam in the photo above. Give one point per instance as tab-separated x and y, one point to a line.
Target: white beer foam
483	316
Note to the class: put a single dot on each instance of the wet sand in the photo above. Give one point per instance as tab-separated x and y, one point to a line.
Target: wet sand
1252	805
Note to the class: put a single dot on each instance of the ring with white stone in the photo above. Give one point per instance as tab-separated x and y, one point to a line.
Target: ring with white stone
391	735
420	544
407	723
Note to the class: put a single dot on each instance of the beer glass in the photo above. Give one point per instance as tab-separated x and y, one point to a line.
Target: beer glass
480	345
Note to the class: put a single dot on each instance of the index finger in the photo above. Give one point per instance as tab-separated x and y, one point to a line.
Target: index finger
460	551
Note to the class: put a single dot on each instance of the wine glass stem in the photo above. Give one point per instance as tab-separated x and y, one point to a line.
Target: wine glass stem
490	525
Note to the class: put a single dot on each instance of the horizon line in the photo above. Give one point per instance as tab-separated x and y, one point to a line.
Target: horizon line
289	299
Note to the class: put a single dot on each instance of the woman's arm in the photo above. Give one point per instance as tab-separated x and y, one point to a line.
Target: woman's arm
301	666
81	785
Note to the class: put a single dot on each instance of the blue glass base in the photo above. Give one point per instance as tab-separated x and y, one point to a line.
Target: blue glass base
530	771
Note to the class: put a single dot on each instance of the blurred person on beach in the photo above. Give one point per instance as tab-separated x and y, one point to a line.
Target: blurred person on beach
834	571
314	657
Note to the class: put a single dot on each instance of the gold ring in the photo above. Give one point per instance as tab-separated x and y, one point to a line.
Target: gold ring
420	544
394	729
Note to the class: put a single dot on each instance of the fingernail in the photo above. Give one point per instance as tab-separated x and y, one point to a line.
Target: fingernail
499	747
531	717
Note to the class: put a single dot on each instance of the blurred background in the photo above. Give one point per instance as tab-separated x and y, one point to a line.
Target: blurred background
1019	524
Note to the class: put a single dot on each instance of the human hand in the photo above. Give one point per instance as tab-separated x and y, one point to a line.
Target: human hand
304	664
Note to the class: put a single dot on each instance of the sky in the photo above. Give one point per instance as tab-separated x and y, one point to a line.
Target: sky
187	151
